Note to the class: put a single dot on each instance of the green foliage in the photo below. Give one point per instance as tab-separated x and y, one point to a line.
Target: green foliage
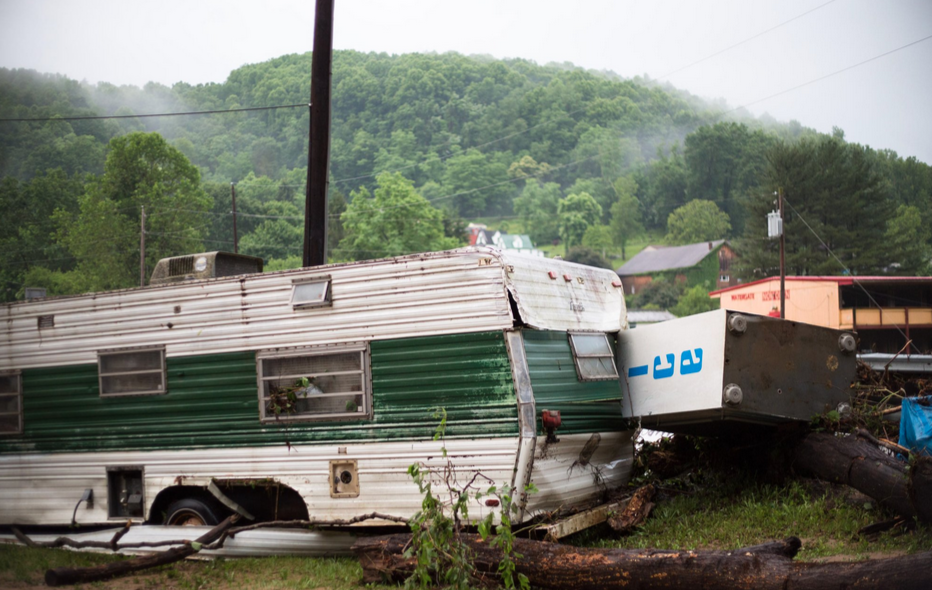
694	300
436	546
907	241
697	221
725	161
587	256
598	237
142	171
537	207
576	213
835	187
477	137
661	293
626	214
394	220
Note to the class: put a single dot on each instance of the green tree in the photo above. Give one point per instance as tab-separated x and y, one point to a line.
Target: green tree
587	256
625	214
142	170
697	221
694	300
835	188
537	208
724	162
576	213
907	241
479	186
394	220
599	238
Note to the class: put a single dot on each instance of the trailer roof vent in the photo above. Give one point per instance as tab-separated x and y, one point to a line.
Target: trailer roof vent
207	265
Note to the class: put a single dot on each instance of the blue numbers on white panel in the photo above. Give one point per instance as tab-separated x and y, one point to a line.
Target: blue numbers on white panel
665	365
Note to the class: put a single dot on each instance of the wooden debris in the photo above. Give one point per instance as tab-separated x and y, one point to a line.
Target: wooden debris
762	567
636	511
66	575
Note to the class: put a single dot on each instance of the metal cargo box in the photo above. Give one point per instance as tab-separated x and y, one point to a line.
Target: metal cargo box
715	372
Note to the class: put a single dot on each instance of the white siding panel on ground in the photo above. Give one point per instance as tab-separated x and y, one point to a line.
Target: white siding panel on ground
43	488
255	543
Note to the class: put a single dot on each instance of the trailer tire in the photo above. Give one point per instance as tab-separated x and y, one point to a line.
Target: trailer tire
190	512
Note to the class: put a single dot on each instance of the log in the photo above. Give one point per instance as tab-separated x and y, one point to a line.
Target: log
66	575
854	462
636	511
762	567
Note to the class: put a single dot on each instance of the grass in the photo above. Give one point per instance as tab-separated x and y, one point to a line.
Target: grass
740	514
21	567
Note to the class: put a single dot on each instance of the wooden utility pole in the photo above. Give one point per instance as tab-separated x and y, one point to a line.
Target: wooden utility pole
142	246
318	153
782	258
235	237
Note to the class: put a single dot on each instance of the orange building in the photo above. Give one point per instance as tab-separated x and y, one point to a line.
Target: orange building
885	311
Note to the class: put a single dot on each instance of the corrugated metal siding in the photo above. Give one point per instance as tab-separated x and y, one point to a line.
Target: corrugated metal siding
469	375
585	406
42	488
416	295
212	401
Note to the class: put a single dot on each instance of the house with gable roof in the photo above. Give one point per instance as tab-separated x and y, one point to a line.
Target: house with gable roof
707	263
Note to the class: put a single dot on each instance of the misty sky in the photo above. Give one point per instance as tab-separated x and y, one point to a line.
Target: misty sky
886	103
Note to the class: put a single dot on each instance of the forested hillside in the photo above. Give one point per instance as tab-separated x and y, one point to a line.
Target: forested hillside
422	144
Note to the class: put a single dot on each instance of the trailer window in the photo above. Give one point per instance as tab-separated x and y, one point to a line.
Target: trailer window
131	371
327	382
11	403
595	360
311	293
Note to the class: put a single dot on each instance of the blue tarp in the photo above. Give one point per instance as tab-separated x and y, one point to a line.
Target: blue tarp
916	425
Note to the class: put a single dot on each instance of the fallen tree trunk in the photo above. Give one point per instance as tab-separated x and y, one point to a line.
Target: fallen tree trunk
861	465
66	575
763	567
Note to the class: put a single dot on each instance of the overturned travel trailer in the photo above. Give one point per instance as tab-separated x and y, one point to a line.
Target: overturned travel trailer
308	393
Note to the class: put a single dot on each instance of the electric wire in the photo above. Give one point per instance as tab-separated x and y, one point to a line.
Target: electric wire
835	73
149	115
739	43
846	269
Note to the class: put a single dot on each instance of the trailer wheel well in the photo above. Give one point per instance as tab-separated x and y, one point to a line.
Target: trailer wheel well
265	500
164	499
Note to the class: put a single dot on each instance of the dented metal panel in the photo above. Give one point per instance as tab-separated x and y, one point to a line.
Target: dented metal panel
558	295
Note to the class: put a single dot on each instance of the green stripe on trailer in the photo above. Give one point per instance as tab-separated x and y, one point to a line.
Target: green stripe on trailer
212	401
585	406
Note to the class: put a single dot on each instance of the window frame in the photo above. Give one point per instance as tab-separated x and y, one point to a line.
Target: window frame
310	351
577	355
326	301
162	370
18	395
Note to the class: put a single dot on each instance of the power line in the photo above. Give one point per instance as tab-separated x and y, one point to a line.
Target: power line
835	73
751	38
846	269
97	117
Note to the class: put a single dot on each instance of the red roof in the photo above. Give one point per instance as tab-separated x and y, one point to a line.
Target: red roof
842	280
